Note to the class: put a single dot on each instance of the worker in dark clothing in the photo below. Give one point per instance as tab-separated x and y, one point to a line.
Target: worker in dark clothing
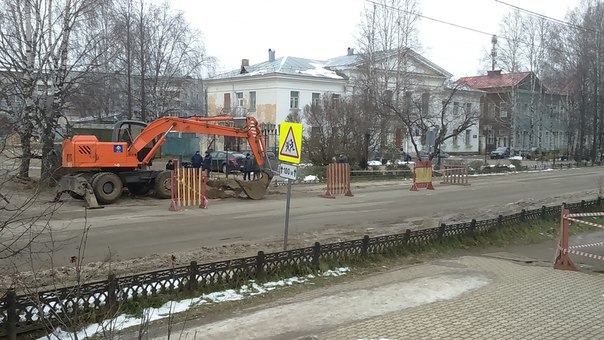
207	163
342	158
169	165
196	160
248	167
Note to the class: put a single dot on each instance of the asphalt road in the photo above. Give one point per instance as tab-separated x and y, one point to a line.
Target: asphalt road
142	227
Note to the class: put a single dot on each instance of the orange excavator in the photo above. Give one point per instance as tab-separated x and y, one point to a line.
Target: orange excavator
98	171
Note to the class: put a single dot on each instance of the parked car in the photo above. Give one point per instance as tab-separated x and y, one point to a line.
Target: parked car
500	153
220	164
374	162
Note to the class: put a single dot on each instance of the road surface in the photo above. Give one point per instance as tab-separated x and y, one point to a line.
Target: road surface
145	227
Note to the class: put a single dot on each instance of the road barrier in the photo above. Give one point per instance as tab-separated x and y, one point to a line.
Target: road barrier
338	180
422	175
563	260
454	174
188	188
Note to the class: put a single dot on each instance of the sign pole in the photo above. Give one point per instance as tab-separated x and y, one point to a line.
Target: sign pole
289	194
290	150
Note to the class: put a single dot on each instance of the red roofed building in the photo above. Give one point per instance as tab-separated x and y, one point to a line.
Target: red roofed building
519	112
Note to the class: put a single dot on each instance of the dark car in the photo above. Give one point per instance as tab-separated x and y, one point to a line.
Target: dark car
220	164
500	153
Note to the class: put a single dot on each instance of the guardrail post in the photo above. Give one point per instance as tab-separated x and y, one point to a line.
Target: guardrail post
522	215
441	231
473	227
260	265
112	303
582	207
192	284
316	256
499	221
542	212
11	315
407	236
365	247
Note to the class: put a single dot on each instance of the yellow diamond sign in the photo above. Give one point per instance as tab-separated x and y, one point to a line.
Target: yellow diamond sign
290	142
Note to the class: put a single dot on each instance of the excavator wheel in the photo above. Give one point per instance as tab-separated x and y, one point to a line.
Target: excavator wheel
107	187
163	184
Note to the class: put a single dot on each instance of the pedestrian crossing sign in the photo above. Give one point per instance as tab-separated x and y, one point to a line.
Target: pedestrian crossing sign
290	142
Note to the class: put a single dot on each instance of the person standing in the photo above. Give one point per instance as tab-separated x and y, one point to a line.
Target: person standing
207	163
248	167
170	165
196	160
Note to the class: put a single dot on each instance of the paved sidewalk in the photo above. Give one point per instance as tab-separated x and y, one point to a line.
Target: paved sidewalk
522	302
471	297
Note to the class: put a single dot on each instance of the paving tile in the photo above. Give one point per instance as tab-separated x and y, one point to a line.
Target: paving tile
522	301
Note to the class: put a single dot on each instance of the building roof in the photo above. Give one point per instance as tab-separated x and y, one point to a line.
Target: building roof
317	68
284	65
356	59
494	79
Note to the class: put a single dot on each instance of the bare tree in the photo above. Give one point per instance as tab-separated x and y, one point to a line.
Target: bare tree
44	51
336	126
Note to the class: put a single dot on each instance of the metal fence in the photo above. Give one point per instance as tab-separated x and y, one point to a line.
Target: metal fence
44	310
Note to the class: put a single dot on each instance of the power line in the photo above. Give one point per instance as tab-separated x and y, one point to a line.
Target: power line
470	28
430	18
543	16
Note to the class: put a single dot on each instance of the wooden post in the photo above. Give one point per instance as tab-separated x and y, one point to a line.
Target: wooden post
11	315
260	265
192	284
316	256
365	247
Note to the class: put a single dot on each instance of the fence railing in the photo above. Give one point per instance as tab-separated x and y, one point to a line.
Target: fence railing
43	310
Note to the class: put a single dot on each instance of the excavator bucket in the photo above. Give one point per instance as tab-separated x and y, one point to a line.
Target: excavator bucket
255	189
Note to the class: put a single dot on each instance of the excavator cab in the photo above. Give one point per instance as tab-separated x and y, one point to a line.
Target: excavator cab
127	131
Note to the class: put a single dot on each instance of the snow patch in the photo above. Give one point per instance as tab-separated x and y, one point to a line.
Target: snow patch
151	314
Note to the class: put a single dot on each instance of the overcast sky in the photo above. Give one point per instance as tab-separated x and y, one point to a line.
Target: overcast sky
321	29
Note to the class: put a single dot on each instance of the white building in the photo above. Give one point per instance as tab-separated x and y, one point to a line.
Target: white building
273	89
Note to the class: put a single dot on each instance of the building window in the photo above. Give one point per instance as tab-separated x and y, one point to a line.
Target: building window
239	96
294	99
455	109
491	109
455	144
468	137
227	102
316	98
468	108
425	102
252	100
503	112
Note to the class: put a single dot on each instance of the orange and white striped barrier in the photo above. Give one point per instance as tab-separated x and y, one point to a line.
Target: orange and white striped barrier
188	188
338	180
563	260
454	174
